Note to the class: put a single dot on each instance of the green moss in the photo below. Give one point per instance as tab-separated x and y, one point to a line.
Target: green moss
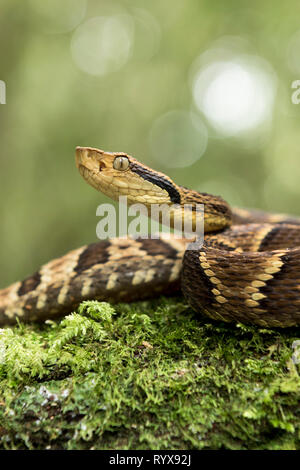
147	375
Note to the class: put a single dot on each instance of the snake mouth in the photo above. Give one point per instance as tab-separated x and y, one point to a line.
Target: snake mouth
85	172
89	176
82	170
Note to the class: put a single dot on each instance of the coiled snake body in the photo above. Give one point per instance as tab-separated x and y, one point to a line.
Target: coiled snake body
247	270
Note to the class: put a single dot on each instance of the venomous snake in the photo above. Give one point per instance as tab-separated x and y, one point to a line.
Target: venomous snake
247	270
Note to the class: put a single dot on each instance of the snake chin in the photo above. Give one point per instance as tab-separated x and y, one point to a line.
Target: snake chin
81	169
89	176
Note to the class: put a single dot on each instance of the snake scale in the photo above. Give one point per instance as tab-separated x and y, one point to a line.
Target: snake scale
247	270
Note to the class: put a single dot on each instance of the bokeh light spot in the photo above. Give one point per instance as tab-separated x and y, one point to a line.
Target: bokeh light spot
102	44
178	139
235	95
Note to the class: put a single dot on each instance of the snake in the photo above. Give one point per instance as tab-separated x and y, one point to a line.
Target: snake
247	270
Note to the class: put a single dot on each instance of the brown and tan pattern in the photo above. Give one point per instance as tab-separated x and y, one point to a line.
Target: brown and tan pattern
258	282
247	270
114	270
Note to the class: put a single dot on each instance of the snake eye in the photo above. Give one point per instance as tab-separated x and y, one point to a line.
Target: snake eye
121	163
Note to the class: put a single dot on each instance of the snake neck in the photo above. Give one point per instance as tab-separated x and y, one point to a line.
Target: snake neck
217	212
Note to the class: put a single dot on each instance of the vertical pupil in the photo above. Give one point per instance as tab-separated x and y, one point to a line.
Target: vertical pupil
121	163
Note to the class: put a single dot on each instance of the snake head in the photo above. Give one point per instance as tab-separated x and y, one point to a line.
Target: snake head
118	174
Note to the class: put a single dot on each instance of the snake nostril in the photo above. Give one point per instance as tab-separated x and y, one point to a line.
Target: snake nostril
101	166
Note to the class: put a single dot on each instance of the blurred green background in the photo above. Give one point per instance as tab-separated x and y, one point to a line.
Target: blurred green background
200	90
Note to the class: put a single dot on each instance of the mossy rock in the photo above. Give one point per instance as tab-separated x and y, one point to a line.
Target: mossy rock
148	375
